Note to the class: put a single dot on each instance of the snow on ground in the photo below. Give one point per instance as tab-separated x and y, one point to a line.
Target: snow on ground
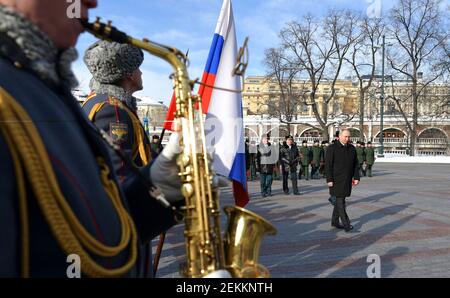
414	159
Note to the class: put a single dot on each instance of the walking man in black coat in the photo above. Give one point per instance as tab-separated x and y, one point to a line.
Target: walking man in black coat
342	172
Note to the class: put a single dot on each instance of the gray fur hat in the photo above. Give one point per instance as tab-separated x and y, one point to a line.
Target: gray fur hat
109	62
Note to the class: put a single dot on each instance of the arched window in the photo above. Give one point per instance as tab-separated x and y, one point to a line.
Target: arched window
432	133
392	133
311	133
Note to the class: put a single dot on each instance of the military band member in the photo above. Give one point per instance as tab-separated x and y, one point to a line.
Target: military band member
111	105
59	194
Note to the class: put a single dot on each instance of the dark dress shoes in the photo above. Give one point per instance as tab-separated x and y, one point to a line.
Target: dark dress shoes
349	228
337	226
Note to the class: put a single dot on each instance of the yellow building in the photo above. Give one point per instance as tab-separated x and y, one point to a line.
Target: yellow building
433	129
258	90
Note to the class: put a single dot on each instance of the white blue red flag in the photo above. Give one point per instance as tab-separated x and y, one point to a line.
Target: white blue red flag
223	109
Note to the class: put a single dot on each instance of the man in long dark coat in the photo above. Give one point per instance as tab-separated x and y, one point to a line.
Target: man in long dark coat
342	172
290	158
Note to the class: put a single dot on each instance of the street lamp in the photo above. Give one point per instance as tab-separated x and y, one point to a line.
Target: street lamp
381	152
383	47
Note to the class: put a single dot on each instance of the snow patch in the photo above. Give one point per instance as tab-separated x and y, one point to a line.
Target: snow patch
395	158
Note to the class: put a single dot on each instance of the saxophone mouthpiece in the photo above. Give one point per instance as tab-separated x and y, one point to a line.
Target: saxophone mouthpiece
104	31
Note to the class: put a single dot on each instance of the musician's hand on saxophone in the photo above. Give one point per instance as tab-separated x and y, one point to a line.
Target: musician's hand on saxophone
164	170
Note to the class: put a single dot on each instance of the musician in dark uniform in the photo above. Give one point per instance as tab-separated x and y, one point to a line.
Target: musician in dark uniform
111	105
59	194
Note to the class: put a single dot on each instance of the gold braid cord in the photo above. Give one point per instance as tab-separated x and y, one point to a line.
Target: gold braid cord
31	159
140	147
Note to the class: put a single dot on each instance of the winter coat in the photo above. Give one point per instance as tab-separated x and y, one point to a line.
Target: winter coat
305	156
265	159
370	155
290	158
360	153
341	168
316	155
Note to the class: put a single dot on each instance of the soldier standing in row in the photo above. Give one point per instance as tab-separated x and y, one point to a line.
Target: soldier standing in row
305	159
361	157
370	158
316	151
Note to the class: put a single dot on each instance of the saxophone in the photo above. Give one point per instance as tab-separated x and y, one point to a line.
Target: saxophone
207	253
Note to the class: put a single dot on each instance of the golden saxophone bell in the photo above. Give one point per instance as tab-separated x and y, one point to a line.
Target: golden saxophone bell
242	242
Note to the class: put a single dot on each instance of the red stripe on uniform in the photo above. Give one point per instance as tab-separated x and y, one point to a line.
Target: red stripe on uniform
122	164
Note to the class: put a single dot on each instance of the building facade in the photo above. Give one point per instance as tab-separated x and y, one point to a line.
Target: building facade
433	129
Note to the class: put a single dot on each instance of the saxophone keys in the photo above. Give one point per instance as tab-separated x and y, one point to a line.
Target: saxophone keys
187	190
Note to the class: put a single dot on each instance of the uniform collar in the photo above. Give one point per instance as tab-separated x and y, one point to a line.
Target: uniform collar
42	57
116	92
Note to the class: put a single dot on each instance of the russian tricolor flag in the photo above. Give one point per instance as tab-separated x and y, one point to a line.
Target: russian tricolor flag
224	117
223	109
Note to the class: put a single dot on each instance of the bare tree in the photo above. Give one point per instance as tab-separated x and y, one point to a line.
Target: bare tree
288	93
284	98
419	38
363	61
317	50
432	103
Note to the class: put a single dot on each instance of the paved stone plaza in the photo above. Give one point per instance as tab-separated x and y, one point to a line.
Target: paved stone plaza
401	214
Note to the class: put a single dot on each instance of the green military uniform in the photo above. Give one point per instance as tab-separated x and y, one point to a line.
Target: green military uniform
360	154
305	159
370	159
317	153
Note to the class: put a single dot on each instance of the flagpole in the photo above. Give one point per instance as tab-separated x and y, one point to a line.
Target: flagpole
162	236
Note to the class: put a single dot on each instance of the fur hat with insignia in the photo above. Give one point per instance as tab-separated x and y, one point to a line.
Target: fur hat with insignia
110	62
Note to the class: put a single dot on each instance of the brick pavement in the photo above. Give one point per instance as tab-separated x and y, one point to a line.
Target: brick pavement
402	214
